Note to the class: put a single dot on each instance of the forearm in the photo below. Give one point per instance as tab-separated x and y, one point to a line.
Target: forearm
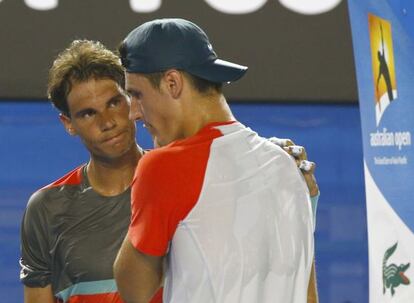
312	288
138	276
38	294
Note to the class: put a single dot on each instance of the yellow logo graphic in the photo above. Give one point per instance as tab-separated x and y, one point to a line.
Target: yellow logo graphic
383	68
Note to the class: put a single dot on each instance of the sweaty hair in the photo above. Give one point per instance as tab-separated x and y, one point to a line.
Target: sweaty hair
204	86
201	85
83	60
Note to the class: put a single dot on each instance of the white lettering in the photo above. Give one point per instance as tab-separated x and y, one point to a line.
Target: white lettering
384	138
310	7
236	7
402	139
231	7
391	160
146	6
42	5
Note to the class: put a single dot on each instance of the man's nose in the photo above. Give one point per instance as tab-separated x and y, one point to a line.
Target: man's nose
107	121
135	112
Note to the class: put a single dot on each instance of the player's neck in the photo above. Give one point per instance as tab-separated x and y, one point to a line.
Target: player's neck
112	177
207	111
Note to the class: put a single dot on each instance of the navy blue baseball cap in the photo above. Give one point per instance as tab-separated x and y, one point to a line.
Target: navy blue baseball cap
162	44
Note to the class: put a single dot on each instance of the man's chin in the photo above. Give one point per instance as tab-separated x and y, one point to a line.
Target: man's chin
116	153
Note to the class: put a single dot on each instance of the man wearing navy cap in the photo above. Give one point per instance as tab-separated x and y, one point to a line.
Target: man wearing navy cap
225	210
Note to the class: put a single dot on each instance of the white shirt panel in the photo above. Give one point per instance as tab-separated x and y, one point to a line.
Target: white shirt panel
249	238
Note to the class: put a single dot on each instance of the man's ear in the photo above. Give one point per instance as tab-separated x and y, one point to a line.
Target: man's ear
174	81
67	123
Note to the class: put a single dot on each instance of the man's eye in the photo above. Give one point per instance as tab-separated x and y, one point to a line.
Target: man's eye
87	114
114	103
136	95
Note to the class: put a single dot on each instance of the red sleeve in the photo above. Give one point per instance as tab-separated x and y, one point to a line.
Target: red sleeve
166	186
157	298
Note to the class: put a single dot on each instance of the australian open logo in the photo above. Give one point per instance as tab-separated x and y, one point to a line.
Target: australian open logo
383	68
393	275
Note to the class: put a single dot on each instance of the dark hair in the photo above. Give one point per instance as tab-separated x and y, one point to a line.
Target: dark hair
81	61
204	86
201	85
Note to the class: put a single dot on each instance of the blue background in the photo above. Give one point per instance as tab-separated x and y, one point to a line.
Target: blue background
35	150
396	117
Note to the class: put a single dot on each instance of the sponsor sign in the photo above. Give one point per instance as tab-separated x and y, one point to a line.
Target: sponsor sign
383	42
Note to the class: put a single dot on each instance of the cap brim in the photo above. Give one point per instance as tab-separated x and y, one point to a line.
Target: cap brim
219	71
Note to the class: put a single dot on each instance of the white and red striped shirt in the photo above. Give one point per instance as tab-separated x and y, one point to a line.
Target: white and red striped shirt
233	213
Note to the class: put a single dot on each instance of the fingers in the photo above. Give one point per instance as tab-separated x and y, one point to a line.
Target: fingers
311	183
298	152
281	142
307	166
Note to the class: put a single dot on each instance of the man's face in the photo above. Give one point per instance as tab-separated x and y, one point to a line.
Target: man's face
99	116
159	111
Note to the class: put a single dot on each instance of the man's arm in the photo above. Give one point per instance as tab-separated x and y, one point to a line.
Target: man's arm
312	287
138	276
35	262
307	168
38	294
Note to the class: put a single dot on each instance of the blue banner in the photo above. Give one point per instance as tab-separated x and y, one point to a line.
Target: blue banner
383	40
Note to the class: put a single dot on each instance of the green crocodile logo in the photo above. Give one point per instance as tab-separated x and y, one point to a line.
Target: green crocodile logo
393	275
